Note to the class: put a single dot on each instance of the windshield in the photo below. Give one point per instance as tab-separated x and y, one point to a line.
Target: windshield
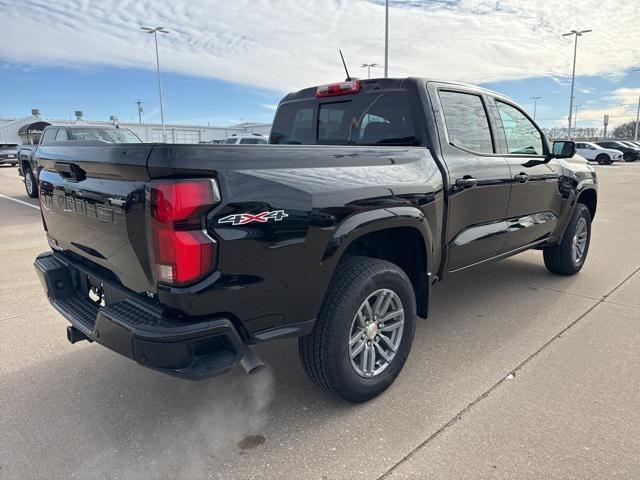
109	135
229	141
377	118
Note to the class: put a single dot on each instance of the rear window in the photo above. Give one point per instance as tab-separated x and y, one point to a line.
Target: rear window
115	135
379	118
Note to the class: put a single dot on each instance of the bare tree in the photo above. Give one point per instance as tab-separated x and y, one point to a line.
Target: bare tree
626	130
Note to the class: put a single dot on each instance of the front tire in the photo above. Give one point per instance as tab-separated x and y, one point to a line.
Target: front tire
629	157
30	184
603	159
569	256
364	331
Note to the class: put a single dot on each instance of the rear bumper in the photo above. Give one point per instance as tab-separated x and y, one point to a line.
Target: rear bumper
141	330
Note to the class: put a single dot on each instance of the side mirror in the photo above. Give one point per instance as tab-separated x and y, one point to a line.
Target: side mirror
564	149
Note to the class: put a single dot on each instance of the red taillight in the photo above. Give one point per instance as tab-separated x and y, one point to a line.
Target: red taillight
342	88
183	251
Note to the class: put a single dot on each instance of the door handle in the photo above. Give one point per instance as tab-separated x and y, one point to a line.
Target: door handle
70	170
521	177
466	182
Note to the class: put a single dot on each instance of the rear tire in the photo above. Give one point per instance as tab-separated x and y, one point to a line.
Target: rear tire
350	325
30	184
603	159
629	157
569	256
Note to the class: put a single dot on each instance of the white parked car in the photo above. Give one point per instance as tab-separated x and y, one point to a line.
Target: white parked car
604	156
246	139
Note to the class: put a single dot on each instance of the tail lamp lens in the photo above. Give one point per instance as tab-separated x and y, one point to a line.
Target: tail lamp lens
183	251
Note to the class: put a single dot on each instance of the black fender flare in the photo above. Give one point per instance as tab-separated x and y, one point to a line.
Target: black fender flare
363	223
581	187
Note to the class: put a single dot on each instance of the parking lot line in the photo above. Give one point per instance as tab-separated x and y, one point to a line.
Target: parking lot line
19	201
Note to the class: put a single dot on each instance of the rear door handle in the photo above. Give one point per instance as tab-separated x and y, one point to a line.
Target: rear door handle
466	182
521	177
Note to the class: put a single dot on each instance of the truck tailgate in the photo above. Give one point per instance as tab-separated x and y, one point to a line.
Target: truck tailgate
93	204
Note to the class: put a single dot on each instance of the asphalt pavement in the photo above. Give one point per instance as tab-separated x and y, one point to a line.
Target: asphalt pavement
517	373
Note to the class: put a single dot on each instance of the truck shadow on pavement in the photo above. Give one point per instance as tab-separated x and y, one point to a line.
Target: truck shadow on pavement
94	414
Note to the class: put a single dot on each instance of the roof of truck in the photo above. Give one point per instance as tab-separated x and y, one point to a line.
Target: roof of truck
392	83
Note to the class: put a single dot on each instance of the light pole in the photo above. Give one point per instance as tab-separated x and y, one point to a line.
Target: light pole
386	39
575	117
635	133
577	33
369	66
535	105
155	31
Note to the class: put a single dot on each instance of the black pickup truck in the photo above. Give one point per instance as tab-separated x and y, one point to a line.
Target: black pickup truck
59	135
183	256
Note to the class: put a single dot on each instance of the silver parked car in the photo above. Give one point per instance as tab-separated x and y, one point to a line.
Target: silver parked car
8	153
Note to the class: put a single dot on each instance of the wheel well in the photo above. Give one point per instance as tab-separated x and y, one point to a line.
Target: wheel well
403	246
589	198
25	165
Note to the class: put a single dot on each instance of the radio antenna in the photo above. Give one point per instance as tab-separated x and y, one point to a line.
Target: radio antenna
345	66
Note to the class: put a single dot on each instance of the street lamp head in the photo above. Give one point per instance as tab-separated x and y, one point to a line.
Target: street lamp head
576	32
154	29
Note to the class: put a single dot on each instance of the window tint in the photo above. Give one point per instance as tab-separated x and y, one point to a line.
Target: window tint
49	135
330	120
362	119
62	135
109	135
294	124
466	120
381	118
522	135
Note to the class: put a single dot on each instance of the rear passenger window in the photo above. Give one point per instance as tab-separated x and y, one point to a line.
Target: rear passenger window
466	120
523	138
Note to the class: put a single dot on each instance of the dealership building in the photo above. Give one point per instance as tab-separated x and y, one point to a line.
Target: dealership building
26	130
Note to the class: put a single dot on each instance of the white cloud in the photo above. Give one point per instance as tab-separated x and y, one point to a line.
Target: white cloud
269	106
290	44
621	108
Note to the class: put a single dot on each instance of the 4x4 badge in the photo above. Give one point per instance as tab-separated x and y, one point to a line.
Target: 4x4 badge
244	218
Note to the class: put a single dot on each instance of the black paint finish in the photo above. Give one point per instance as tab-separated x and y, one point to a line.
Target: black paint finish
270	278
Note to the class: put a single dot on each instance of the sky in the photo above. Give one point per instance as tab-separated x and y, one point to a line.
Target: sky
226	62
